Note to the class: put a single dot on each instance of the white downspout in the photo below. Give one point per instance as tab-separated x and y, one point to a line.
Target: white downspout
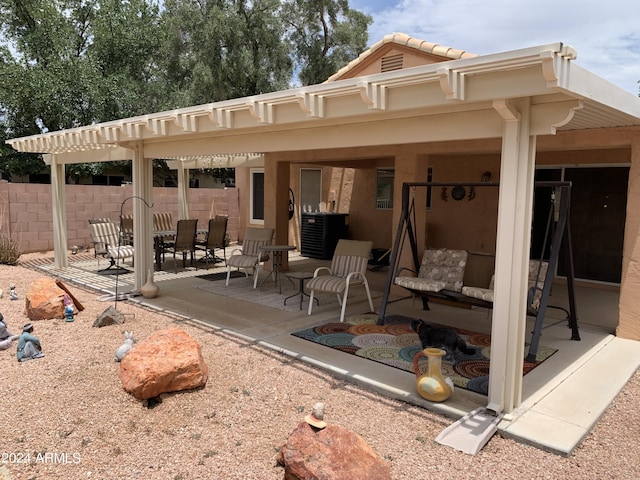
512	256
59	209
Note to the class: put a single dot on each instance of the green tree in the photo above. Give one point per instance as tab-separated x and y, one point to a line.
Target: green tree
216	50
67	63
325	35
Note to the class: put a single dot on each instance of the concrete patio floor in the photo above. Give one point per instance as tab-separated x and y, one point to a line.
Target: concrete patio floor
562	398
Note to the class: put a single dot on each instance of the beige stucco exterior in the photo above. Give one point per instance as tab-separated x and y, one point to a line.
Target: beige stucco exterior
349	175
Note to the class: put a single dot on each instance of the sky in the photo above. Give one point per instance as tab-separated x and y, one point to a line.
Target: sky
606	34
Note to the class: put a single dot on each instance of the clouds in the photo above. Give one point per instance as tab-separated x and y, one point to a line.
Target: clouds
605	34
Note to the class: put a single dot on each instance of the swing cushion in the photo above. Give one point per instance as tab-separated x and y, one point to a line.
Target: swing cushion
441	269
480	293
537	275
536	282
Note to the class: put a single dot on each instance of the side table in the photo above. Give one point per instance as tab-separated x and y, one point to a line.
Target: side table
277	252
301	277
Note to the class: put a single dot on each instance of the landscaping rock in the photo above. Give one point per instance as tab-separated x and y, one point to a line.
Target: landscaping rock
333	453
167	361
44	300
110	316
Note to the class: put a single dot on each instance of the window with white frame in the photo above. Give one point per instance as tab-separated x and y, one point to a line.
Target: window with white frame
384	188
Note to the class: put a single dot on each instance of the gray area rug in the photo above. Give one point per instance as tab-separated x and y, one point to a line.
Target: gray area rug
269	296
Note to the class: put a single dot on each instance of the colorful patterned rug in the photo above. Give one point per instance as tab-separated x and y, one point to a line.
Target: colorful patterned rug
396	344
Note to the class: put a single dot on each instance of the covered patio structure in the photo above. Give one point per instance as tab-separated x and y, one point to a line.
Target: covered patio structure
514	98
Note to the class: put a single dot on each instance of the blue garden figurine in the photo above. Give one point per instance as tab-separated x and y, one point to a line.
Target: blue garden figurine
28	345
68	309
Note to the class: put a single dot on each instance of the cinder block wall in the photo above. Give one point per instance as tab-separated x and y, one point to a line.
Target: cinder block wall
26	214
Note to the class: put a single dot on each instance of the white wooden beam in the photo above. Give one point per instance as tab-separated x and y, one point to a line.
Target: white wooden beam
183	191
142	175
59	208
512	256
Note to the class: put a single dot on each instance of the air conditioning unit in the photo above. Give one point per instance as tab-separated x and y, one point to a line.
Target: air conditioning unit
320	232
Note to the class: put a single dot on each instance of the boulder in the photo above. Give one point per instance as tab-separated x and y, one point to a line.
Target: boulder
333	453
110	316
44	300
167	361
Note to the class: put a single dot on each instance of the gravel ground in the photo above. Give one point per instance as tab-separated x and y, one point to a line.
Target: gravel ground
67	417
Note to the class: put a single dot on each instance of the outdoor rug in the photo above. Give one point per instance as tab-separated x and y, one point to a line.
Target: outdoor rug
214	277
395	344
241	288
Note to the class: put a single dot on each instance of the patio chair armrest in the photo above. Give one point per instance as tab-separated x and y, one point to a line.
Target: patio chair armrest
355	275
320	269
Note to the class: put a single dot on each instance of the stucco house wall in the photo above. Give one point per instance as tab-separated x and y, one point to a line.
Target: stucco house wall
467	224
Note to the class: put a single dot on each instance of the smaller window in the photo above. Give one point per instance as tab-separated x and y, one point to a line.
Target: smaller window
257	195
384	188
429	188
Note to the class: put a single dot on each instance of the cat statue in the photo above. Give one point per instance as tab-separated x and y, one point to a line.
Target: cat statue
125	347
441	337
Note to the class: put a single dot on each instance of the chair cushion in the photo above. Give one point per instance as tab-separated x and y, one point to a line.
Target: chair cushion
252	247
162	222
105	232
537	275
444	265
242	261
343	265
124	251
485	294
420	284
330	283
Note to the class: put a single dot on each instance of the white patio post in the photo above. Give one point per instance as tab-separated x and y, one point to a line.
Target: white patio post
59	209
142	175
512	256
183	191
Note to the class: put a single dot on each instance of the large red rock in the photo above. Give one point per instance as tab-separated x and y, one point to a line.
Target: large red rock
332	453
44	300
167	361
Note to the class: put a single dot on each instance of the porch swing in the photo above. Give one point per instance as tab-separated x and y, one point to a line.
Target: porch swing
557	230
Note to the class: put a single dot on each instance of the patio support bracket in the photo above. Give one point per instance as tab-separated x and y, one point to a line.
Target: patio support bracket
373	95
452	83
312	105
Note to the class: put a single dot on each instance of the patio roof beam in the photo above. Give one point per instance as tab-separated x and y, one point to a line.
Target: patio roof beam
543	70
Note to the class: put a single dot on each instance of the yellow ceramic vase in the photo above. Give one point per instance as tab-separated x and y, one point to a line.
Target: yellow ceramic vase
432	385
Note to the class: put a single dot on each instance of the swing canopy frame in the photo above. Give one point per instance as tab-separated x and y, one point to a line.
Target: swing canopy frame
557	230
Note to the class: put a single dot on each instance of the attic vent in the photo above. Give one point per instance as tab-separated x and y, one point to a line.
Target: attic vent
392	62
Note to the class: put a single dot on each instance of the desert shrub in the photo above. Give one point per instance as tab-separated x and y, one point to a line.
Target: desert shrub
9	250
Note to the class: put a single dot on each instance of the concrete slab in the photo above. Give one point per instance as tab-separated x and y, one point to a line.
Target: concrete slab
559	420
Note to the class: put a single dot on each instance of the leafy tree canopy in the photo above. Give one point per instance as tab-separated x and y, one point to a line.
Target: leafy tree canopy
67	63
